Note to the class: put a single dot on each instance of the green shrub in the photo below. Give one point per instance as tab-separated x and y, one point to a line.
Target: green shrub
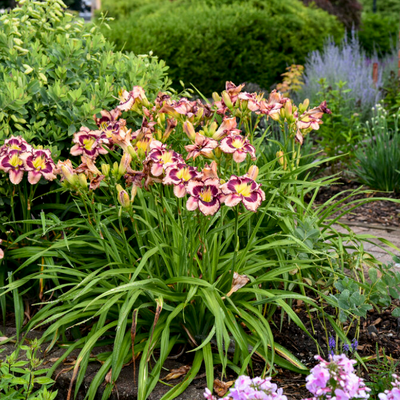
379	32
56	72
253	41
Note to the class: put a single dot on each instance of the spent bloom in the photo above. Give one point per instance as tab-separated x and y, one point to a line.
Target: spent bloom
394	393
335	379
247	388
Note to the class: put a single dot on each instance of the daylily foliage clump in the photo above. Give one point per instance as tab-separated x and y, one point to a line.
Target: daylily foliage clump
166	233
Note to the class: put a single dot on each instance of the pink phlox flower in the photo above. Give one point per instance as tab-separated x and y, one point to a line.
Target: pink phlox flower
179	175
204	196
202	146
39	163
242	189
238	146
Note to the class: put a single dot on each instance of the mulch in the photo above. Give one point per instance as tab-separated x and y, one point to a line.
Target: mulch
382	212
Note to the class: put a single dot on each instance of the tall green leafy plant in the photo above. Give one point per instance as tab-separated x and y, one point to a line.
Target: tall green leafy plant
164	251
377	162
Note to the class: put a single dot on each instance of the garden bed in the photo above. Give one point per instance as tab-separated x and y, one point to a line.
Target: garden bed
379	212
378	329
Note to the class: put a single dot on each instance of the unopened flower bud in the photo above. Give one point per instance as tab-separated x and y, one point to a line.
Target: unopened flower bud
123	197
105	169
216	97
132	152
133	192
115	169
189	130
82	181
253	172
227	99
68	175
125	163
281	158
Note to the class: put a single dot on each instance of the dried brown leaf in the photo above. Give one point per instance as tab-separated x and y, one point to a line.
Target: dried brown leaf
221	387
177	372
237	283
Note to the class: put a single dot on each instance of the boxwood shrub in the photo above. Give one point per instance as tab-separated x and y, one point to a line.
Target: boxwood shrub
206	42
56	72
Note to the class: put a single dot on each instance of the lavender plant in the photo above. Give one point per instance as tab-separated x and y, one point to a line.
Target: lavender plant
346	62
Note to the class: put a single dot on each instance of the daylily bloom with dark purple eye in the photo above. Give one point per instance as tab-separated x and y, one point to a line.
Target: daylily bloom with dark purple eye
243	189
39	163
238	146
202	145
204	196
161	158
15	143
13	163
109	123
179	175
88	143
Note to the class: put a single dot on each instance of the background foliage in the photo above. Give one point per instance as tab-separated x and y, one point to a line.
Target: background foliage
56	72
253	42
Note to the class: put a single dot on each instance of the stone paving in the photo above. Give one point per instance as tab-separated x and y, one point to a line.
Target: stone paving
392	234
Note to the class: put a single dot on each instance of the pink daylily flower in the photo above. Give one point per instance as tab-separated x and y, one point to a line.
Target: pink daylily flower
161	158
272	106
134	97
88	143
1	251
15	143
243	189
13	163
39	163
204	196
202	146
238	146
109	122
251	99
227	127
179	175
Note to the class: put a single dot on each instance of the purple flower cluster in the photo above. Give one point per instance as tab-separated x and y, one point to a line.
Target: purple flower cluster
247	388
335	379
394	393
